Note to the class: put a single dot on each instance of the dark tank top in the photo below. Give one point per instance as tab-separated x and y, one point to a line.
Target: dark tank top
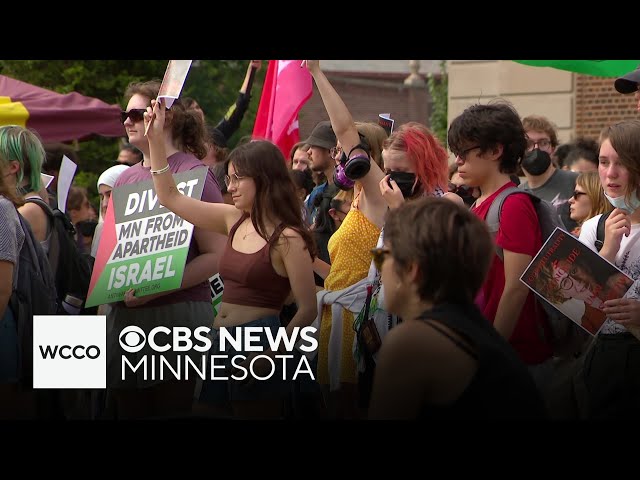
249	278
502	387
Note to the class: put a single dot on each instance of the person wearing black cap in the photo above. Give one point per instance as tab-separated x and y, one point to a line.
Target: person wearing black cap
321	141
629	84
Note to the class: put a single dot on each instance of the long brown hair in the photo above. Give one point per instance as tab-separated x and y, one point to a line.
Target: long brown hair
275	192
187	127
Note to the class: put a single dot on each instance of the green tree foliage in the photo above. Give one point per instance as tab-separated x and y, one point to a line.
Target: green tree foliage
213	83
439	91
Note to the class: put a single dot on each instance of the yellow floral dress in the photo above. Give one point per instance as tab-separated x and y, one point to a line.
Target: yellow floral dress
349	250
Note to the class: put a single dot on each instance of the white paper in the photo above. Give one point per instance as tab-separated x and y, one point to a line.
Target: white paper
174	77
46	179
66	174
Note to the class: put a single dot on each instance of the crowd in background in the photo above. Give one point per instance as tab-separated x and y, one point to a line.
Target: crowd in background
373	237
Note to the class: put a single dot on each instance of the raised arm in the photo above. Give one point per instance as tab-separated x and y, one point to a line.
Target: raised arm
231	120
218	217
345	129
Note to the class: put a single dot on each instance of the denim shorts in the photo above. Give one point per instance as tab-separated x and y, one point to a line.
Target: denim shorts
219	390
8	348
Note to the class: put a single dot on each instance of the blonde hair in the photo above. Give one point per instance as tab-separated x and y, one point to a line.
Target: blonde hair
345	196
375	136
590	181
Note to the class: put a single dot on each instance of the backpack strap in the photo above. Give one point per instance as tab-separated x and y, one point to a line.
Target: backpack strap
599	243
44	205
495	211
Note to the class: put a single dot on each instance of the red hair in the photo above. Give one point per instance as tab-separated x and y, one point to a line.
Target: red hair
424	151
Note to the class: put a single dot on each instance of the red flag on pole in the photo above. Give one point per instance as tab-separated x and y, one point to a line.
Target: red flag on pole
286	89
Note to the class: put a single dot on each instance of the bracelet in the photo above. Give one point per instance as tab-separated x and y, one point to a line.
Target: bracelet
161	171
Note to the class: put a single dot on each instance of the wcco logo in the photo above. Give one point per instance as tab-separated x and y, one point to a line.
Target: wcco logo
69	351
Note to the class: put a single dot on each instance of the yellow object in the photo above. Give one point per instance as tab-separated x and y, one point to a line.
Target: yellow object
13	113
349	250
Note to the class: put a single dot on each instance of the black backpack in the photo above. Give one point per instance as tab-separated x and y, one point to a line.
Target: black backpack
71	268
599	243
567	338
35	294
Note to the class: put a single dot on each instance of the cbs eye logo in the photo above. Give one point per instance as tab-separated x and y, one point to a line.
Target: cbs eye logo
132	339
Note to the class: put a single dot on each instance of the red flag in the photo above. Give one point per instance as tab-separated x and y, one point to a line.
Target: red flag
286	89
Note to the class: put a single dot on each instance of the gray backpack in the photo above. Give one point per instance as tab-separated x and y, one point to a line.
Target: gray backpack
567	337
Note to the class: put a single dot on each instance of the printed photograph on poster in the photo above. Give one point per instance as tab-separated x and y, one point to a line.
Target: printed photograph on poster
575	280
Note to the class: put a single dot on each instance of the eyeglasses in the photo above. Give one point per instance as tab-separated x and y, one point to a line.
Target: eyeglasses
542	143
379	255
135	114
567	283
335	151
577	194
233	179
463	154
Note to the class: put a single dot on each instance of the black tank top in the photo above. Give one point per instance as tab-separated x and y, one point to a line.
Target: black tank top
502	387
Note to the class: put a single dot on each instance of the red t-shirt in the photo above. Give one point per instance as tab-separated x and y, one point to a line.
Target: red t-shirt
519	232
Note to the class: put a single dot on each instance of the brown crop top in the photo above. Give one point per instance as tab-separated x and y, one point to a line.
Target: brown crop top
249	278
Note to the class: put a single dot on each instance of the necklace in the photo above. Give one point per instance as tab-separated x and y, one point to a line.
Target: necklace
248	233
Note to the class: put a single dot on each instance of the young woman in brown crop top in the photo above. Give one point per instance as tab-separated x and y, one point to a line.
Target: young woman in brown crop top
268	255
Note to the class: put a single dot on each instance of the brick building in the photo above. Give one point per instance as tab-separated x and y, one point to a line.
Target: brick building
598	104
370	87
577	104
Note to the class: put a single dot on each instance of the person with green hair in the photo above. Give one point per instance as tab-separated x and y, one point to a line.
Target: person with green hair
21	157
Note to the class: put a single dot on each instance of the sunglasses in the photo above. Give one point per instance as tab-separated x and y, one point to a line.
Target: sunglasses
379	255
135	114
577	194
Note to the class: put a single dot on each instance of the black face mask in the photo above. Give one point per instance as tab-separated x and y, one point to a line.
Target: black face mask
536	162
405	181
464	192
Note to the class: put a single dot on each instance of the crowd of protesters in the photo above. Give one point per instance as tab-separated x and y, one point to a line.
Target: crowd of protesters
377	240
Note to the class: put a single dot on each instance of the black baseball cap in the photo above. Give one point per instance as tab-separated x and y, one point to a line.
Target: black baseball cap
629	82
322	136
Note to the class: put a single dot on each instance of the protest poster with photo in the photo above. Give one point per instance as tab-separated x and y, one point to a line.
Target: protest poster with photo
143	246
575	280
